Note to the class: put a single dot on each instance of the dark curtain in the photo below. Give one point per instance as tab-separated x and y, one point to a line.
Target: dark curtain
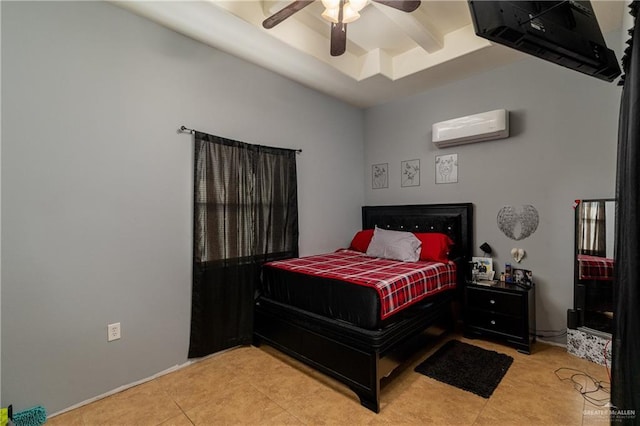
592	228
245	213
625	368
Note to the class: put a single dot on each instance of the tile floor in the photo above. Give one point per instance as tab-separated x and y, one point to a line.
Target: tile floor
261	386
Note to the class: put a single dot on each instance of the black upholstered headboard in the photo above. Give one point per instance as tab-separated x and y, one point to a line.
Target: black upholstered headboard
455	220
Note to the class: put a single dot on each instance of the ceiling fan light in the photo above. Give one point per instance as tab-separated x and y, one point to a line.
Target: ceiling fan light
331	4
331	15
349	15
357	5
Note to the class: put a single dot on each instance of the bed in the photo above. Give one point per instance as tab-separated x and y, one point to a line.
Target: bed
595	268
350	341
593	292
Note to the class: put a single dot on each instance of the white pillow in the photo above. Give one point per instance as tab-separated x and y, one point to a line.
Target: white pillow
396	245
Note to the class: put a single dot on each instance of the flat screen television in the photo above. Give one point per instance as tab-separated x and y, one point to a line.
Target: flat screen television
563	32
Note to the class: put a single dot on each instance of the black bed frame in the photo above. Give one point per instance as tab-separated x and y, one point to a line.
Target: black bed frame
351	354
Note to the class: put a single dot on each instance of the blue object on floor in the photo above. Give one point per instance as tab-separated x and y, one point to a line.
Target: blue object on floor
35	416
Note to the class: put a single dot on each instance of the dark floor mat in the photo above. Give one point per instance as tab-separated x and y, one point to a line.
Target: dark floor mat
466	367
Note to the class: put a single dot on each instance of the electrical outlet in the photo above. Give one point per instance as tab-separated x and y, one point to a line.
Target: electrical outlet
113	331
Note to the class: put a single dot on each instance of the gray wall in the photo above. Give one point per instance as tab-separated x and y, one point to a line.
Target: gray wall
562	147
96	188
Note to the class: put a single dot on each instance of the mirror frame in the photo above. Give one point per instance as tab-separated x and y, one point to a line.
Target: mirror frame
579	296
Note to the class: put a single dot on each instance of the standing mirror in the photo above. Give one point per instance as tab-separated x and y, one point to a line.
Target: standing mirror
594	264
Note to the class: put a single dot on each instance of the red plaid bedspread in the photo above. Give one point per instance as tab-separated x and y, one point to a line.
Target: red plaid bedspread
399	284
595	268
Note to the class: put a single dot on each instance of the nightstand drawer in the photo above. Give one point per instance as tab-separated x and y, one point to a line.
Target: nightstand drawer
491	300
495	322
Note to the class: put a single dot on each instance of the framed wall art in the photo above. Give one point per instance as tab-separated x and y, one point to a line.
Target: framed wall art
410	170
380	176
447	168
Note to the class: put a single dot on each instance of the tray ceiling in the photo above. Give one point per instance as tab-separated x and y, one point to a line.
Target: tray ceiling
389	54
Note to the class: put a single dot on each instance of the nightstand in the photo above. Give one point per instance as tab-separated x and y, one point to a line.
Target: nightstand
503	311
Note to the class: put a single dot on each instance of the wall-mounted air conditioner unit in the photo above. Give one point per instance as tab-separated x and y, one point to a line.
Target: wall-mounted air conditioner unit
481	127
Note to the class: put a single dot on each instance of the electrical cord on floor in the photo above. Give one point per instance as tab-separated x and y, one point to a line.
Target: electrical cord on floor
583	389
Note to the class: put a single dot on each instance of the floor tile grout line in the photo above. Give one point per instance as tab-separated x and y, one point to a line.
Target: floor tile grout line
165	391
245	381
183	412
278	404
484	406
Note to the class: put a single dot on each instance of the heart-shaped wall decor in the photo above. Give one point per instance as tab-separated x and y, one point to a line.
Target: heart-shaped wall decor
517	254
518	225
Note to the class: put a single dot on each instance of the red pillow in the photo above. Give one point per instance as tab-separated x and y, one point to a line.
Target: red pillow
435	246
361	240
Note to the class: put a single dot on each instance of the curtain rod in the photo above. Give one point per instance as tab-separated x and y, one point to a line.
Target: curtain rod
184	129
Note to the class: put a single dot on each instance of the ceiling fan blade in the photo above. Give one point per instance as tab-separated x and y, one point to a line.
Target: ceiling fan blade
338	39
285	12
403	5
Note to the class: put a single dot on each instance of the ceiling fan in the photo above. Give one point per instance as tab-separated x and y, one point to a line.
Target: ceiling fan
339	13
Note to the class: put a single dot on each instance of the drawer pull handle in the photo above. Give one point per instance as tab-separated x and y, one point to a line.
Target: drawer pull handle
493	302
493	322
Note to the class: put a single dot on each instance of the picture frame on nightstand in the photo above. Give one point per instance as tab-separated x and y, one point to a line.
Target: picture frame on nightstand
522	276
483	268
